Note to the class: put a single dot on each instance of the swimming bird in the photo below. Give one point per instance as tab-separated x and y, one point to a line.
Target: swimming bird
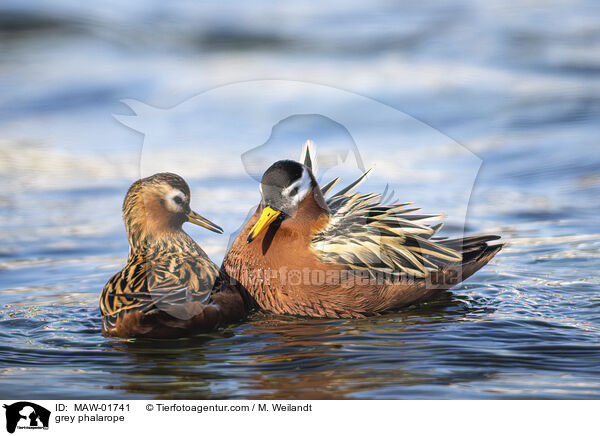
350	255
164	290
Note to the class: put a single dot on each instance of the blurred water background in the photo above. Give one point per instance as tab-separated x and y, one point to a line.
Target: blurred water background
515	83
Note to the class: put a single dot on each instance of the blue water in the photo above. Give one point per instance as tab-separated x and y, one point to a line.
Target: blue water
513	88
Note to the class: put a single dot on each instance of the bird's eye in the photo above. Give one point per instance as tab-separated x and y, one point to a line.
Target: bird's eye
178	200
294	191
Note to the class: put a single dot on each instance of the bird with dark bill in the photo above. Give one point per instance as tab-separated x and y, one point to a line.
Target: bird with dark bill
350	255
164	290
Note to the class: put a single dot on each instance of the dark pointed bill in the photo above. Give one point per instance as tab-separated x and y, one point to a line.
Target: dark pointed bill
199	220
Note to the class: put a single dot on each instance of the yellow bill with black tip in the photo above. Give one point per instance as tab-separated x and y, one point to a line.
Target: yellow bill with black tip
199	220
268	216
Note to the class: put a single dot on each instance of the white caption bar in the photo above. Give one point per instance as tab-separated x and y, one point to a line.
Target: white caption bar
282	418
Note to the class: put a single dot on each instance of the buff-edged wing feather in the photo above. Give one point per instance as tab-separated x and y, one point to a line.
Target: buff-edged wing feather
365	233
163	282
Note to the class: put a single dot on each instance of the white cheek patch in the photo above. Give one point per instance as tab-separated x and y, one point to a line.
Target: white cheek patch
303	186
171	205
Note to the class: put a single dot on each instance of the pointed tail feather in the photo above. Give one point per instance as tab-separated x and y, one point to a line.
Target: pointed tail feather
473	261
